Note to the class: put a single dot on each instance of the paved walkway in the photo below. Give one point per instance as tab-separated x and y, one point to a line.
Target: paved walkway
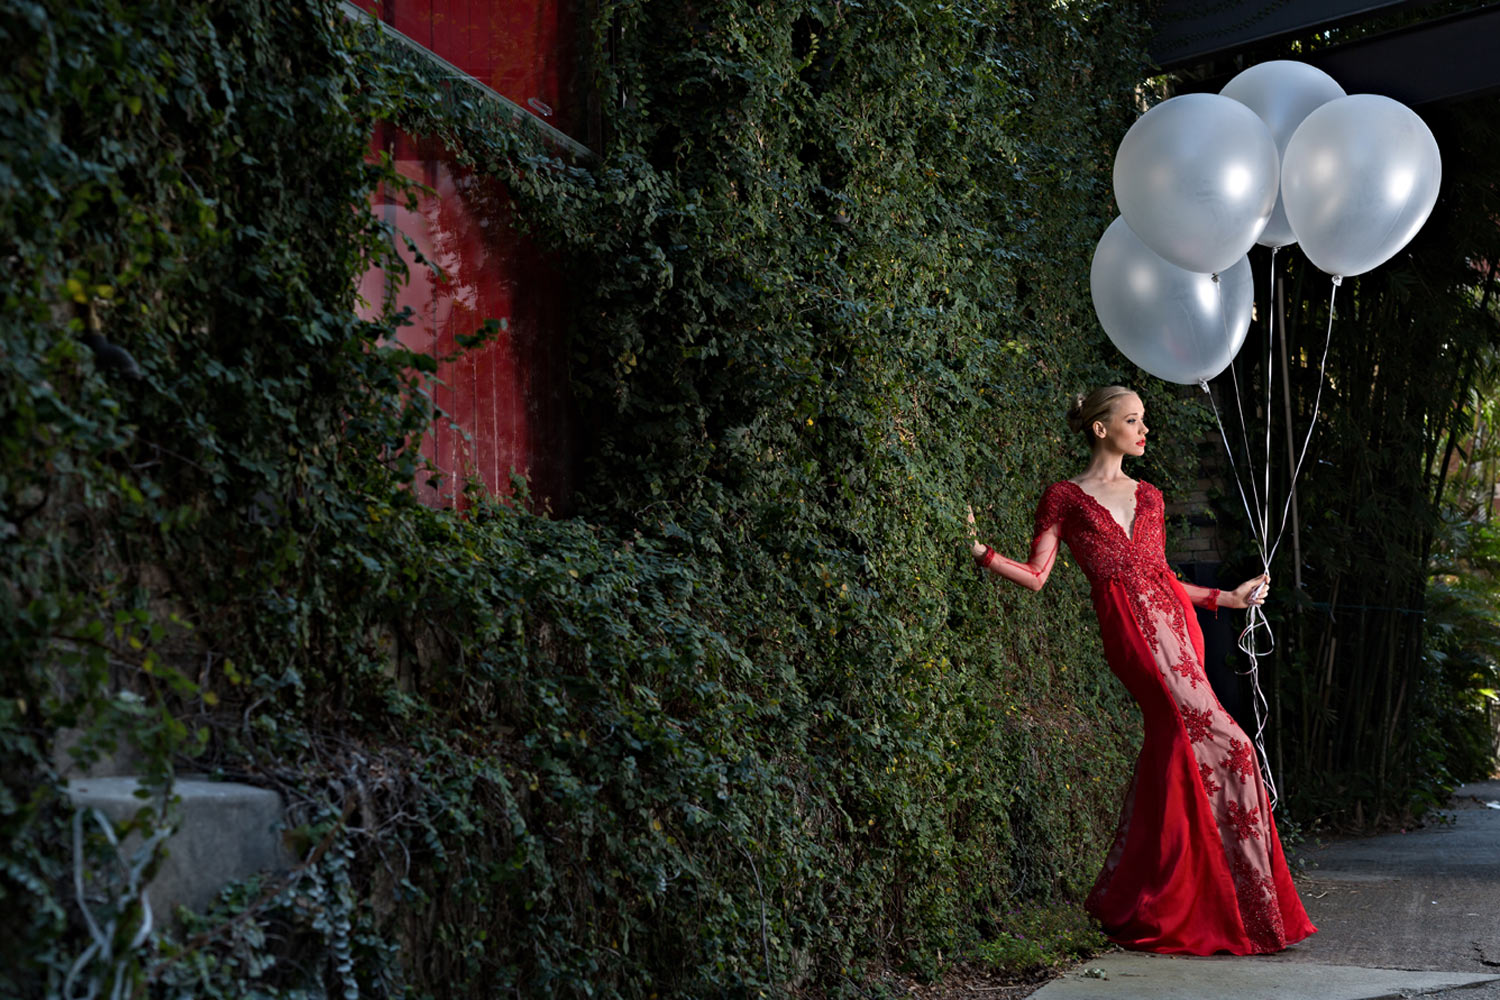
1401	915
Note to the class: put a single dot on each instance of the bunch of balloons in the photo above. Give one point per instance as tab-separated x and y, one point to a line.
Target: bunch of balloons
1280	156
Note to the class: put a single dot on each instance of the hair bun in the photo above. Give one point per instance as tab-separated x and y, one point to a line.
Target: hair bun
1075	413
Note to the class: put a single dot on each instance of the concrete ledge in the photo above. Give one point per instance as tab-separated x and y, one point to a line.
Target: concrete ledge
227	832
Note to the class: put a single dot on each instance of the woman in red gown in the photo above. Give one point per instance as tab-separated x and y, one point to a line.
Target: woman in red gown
1196	866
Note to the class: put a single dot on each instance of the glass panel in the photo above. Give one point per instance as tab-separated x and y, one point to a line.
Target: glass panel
527	50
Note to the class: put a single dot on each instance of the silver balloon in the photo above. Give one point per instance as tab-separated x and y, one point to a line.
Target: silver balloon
1361	175
1196	178
1283	92
1178	325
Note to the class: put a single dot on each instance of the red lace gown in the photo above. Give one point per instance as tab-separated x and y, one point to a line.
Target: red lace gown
1196	866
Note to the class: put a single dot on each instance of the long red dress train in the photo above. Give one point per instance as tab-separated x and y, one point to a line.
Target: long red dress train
1196	866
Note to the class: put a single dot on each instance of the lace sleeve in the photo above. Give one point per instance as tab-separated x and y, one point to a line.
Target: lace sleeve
1204	597
1051	509
1033	573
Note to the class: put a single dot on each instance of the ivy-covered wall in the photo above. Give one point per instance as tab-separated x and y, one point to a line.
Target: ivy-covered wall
749	721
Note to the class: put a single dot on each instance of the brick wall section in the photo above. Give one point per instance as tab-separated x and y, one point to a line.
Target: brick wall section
1192	534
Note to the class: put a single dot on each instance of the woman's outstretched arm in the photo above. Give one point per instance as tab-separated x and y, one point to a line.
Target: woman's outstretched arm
1246	594
1030	574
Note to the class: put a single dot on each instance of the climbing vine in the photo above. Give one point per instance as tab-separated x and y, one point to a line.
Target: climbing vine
747	720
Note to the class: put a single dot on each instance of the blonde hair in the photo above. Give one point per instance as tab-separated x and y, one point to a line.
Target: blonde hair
1095	406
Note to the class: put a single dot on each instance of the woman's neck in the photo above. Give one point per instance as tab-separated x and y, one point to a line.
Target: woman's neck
1104	466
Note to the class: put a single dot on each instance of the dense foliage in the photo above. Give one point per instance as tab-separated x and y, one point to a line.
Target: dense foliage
747	721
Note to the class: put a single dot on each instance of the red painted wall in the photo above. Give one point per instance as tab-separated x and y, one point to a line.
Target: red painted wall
507	405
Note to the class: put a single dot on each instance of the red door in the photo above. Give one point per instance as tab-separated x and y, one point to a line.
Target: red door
505	405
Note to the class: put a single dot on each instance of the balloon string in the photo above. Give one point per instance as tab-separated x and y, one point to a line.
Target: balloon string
1259	702
1270	381
1262	709
1257	525
1239	407
1262	706
1256	621
1233	468
1313	421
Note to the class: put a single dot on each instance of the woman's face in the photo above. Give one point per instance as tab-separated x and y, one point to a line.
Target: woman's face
1124	430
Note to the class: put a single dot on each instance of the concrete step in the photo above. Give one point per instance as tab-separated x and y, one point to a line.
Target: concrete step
227	831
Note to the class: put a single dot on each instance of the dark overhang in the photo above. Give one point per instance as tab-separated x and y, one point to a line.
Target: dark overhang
1445	60
1192	31
1440	59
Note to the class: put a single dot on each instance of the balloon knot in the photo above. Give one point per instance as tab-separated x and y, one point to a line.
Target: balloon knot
1203	384
1338	279
1215	277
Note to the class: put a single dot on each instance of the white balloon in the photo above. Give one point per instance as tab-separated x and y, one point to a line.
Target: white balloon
1361	176
1178	325
1283	92
1196	178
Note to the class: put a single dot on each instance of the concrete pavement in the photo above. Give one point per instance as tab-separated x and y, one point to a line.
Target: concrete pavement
1401	915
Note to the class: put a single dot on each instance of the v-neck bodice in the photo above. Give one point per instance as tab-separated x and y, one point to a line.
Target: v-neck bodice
1135	508
1105	549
